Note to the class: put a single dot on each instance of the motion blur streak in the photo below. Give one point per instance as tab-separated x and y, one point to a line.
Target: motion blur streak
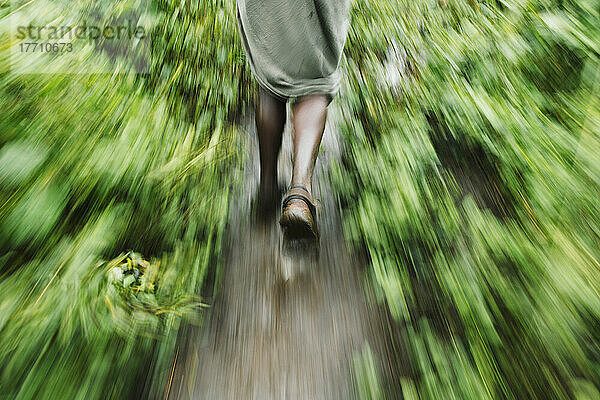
459	198
291	317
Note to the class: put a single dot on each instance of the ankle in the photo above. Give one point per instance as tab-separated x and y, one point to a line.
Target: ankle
267	185
303	183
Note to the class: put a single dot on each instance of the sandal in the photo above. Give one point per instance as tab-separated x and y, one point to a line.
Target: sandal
296	221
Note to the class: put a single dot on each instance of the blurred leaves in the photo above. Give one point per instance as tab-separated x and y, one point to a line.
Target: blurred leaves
466	181
92	165
471	178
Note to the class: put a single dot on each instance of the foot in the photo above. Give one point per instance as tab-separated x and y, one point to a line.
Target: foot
298	215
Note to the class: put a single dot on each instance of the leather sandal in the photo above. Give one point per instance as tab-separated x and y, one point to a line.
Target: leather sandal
296	220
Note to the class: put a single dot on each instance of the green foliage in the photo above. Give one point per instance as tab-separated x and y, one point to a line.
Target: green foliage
365	371
92	165
472	178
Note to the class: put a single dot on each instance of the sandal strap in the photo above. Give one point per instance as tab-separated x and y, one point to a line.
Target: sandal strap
300	193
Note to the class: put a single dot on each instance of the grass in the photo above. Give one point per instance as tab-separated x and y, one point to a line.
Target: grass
471	179
95	165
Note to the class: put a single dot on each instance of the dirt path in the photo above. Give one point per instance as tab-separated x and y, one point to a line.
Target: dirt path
289	317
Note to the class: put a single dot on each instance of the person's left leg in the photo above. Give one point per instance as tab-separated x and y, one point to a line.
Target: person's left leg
270	121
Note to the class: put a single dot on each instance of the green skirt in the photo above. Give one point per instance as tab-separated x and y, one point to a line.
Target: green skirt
294	47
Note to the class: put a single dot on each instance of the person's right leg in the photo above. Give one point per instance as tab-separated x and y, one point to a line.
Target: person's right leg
308	117
270	120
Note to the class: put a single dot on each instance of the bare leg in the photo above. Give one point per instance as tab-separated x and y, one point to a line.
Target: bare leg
270	121
308	116
297	216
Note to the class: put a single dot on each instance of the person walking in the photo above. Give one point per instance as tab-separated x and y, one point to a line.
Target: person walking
294	48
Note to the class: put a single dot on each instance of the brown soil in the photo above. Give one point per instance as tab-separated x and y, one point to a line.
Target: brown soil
289	316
